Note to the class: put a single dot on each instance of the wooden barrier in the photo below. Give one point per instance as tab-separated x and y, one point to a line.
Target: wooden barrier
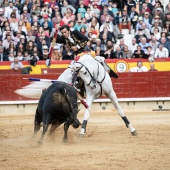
128	85
52	70
10	71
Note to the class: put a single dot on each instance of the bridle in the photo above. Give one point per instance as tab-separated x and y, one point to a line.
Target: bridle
92	77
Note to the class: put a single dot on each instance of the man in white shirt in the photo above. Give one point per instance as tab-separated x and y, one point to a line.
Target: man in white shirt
139	68
8	10
147	20
65	7
154	43
107	25
46	10
156	25
140	22
17	37
133	46
16	65
7	41
146	31
161	52
144	44
94	8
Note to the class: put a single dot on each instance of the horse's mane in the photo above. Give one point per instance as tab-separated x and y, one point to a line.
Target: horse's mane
87	59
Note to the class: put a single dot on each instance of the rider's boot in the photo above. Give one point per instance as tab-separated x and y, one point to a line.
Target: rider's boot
106	67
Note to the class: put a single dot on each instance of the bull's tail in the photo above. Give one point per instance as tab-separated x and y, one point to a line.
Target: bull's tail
37	121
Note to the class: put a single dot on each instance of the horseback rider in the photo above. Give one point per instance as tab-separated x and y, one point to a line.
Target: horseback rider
73	39
78	43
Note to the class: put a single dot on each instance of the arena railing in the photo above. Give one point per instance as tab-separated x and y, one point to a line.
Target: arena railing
106	100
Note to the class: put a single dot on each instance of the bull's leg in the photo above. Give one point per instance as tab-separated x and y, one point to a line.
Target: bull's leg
46	122
66	126
114	100
45	127
53	128
55	125
37	121
89	101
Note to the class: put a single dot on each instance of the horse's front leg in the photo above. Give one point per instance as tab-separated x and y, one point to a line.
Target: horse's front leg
86	117
114	100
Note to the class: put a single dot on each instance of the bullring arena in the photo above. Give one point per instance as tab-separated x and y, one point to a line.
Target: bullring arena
107	144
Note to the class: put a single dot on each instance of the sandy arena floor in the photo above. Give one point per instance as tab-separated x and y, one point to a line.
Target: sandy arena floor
108	144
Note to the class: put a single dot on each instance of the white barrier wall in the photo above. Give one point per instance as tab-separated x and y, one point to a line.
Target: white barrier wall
101	105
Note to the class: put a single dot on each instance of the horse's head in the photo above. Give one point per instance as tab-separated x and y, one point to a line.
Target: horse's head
85	73
66	76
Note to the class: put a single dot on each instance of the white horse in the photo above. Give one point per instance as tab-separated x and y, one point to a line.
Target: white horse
97	83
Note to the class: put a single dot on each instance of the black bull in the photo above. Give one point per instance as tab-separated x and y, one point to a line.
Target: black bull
57	105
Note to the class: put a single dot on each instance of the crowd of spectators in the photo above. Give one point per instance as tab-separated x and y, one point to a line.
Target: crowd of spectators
27	28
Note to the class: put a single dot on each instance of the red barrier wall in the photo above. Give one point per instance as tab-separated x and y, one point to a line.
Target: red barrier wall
128	85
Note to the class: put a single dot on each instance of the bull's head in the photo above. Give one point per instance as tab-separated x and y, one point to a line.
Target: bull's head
74	121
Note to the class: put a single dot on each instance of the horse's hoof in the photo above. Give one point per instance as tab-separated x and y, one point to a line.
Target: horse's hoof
134	133
81	135
40	142
65	140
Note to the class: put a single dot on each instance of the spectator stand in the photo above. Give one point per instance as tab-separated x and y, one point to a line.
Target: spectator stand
118	65
36	24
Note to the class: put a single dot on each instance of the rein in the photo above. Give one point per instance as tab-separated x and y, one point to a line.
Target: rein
101	81
98	75
82	65
92	78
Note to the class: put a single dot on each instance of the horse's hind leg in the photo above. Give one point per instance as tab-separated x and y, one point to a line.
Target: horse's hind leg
114	100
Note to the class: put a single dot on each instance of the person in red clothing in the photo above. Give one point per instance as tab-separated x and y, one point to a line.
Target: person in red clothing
152	67
145	8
